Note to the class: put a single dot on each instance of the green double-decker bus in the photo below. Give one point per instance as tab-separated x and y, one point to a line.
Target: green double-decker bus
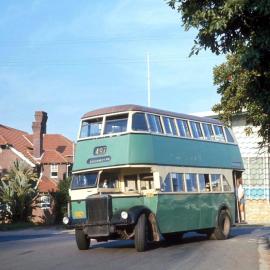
147	174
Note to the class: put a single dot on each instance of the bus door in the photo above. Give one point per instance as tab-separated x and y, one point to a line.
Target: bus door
237	208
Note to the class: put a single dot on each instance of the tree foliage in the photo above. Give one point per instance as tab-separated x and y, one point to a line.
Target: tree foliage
241	29
62	197
18	188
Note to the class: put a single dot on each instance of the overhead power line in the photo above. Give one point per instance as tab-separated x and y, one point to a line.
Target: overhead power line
99	60
90	40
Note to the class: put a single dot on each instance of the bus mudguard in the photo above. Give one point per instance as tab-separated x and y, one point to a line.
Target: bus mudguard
133	214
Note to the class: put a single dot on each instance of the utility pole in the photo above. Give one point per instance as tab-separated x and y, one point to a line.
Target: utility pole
148	81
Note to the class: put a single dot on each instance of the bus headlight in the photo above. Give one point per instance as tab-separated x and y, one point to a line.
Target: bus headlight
124	215
66	220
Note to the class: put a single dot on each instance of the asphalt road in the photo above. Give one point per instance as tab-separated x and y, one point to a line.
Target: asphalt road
56	249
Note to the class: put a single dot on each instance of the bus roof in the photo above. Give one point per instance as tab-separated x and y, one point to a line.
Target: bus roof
132	107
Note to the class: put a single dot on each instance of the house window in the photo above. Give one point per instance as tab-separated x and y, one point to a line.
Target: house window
45	202
54	170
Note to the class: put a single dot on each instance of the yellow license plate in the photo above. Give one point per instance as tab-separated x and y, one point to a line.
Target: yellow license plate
79	214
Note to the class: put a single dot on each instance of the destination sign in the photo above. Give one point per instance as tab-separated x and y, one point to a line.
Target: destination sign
98	160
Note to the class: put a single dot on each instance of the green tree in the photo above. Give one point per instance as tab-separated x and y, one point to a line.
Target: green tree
18	188
62	197
241	29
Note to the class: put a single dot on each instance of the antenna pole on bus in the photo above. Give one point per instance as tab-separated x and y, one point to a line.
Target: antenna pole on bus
148	81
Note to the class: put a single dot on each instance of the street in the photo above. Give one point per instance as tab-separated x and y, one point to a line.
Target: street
56	249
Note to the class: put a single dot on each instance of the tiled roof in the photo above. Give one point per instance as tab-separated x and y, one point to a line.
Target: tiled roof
59	143
52	156
17	139
57	148
47	185
3	140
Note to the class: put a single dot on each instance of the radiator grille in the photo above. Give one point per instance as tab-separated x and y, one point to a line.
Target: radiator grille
99	209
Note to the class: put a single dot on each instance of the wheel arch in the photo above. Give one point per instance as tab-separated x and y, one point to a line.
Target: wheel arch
133	215
225	207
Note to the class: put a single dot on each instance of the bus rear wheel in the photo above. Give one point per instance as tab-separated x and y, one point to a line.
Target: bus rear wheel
83	242
223	228
142	234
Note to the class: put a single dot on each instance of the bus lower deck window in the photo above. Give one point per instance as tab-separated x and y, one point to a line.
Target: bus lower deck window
131	182
146	181
216	182
108	180
177	182
204	183
191	182
226	185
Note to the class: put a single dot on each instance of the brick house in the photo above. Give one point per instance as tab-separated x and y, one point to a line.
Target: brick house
50	155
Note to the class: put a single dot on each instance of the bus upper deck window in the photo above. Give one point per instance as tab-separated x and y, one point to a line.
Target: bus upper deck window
116	124
139	122
91	127
219	133
183	128
169	126
208	131
154	123
196	130
229	135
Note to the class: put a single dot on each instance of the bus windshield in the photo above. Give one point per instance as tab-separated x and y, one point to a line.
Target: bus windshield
86	180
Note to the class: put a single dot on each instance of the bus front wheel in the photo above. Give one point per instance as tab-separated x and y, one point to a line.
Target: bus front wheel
223	228
141	233
83	242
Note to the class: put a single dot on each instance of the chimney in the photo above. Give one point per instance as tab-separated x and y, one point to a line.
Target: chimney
39	128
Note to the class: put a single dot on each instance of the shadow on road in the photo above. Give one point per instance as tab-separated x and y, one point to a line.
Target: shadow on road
244	230
163	244
8	238
188	239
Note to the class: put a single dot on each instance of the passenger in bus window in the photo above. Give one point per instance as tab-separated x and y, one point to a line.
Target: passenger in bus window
105	183
241	197
204	183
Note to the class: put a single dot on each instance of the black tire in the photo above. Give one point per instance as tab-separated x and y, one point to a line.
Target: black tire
173	237
83	242
141	234
223	228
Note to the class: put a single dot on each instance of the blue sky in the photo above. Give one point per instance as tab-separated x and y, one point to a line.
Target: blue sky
70	57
